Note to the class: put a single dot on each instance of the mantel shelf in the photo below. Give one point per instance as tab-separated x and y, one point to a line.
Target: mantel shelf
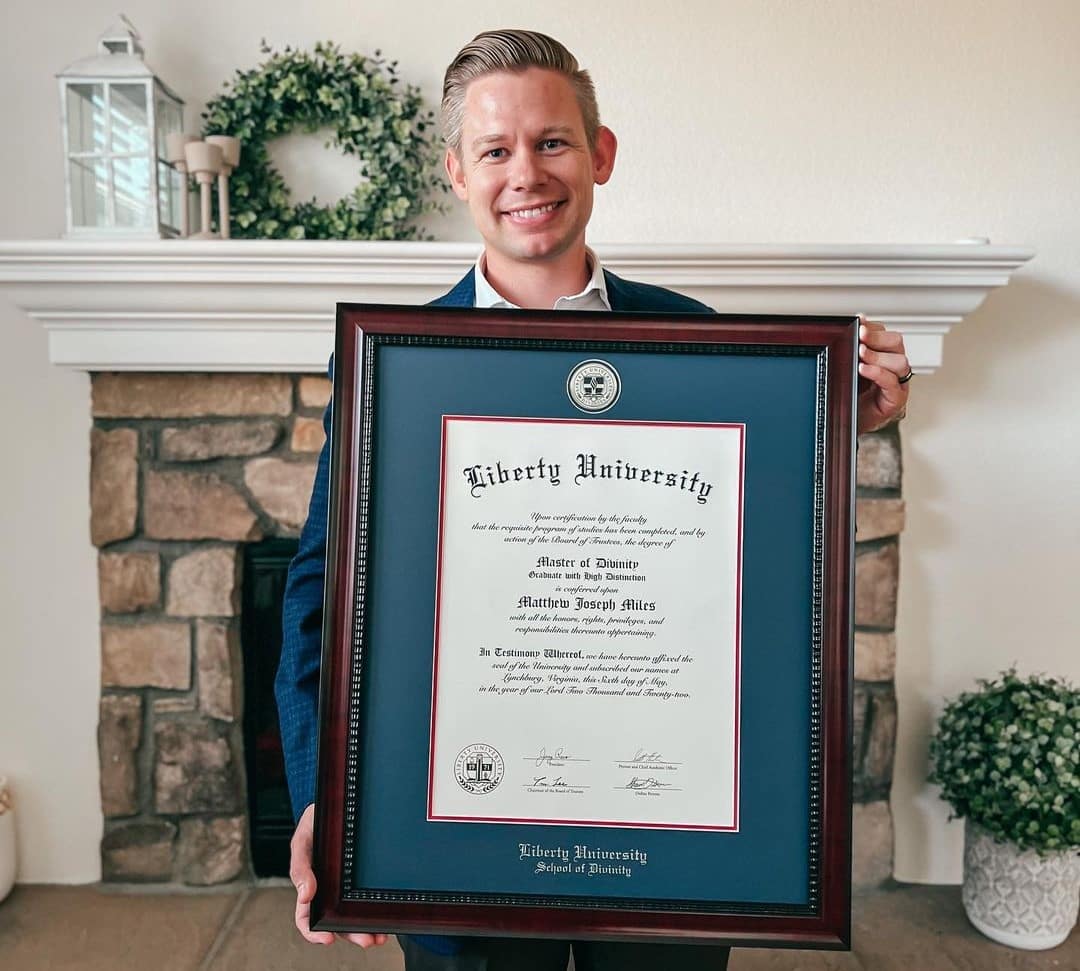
268	305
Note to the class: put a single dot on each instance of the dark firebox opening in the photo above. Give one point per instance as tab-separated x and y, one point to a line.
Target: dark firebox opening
270	815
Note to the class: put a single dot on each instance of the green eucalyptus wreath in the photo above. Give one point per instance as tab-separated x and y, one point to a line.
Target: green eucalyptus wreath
374	118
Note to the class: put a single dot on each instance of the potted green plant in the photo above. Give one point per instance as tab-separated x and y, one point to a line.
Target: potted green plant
1007	758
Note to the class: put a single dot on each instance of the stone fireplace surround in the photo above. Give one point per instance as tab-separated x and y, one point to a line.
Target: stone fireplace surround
187	466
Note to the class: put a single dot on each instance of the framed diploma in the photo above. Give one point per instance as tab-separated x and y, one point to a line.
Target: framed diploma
587	637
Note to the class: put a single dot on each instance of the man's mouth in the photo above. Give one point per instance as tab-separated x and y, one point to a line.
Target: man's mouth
534	212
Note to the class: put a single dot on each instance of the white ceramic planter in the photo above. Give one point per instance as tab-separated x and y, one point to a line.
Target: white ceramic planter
7	840
1019	898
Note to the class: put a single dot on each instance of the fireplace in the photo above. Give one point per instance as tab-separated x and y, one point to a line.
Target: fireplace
199	487
205	431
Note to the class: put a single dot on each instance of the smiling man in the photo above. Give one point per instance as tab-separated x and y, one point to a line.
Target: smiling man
525	160
525	149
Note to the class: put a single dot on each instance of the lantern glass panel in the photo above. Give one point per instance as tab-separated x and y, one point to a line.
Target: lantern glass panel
169	119
86	118
129	117
169	194
131	183
89	191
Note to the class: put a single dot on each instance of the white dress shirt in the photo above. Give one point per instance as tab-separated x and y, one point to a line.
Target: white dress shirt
593	297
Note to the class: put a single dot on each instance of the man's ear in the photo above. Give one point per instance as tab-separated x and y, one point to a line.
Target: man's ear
455	171
604	154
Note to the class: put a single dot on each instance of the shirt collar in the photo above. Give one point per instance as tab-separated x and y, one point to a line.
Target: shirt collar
487	297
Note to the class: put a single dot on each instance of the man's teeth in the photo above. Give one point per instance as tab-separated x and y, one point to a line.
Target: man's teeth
533	213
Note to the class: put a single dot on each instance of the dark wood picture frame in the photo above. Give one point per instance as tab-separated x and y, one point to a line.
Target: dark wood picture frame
823	920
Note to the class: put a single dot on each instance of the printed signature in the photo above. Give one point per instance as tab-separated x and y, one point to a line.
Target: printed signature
637	782
541	782
560	755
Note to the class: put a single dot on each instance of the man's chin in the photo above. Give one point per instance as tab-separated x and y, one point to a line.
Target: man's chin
536	249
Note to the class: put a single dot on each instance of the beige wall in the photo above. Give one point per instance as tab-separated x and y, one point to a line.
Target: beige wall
760	120
49	667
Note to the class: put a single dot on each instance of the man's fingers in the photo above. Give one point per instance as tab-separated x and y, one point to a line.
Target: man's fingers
875	335
303	925
886	380
302	876
895	362
364	940
300	872
305	891
882	348
883	361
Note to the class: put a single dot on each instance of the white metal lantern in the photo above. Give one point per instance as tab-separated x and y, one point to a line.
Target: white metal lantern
116	116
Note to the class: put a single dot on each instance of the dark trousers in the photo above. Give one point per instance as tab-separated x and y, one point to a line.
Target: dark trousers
513	954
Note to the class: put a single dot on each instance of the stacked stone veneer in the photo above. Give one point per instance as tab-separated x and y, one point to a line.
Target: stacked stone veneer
879	516
185	468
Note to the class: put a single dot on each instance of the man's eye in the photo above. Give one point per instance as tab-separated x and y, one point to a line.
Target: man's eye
495	153
550	144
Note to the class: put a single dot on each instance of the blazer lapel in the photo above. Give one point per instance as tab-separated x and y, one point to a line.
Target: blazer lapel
463	294
617	296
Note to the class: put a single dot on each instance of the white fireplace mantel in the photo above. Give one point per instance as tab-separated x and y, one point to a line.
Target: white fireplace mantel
268	305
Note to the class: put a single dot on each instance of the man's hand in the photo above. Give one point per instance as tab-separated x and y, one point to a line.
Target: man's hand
303	878
882	364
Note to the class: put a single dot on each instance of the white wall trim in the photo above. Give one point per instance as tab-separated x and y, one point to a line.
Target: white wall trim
268	305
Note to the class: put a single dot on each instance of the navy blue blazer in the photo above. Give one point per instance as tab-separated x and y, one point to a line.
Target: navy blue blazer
297	684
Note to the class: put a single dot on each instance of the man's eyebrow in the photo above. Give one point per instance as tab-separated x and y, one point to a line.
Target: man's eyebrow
556	130
487	139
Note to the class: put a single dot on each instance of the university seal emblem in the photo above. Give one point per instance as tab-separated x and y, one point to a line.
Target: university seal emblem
593	386
479	768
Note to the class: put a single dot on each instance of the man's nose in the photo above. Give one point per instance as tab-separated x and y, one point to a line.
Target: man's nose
528	171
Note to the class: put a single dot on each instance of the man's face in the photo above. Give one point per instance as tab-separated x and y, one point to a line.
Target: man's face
525	168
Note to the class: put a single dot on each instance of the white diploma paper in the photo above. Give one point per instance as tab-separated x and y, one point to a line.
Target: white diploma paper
587	623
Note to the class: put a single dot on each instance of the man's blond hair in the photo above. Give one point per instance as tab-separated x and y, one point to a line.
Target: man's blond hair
515	51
